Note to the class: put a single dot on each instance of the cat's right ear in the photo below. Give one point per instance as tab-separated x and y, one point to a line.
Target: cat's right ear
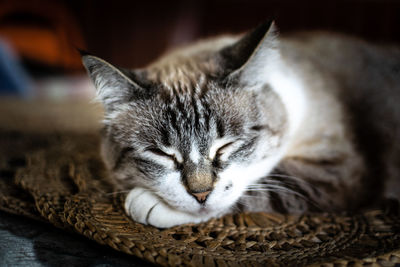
245	60
114	85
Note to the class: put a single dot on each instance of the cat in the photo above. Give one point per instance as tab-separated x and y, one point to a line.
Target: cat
255	122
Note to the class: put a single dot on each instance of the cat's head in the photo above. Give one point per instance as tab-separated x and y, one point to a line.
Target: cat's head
197	126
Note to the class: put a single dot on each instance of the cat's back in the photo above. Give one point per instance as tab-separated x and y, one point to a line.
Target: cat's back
349	61
365	79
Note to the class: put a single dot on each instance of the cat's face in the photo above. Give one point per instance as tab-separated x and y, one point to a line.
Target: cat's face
195	136
219	141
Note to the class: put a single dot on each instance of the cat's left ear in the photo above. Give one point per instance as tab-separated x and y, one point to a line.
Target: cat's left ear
245	60
114	86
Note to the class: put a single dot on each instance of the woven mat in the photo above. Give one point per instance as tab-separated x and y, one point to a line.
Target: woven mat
57	176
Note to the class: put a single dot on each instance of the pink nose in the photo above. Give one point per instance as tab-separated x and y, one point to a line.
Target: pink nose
201	197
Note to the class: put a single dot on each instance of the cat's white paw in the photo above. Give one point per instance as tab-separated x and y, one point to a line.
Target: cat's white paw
145	207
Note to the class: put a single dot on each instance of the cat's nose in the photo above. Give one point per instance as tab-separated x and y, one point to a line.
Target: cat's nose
201	197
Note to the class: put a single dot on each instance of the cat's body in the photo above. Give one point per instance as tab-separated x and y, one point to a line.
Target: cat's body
198	133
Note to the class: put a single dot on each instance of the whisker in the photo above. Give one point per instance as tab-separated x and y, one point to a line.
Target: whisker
254	196
244	204
290	179
284	175
280	188
236	209
293	181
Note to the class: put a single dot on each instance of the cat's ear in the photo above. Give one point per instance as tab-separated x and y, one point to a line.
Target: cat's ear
246	57
113	85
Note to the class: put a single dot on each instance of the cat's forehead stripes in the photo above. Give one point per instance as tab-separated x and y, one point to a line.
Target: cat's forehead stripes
186	70
181	74
179	79
189	117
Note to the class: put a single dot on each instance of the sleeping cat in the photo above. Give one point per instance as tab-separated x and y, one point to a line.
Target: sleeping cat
258	122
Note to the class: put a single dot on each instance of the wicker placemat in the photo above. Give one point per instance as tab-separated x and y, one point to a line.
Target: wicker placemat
58	177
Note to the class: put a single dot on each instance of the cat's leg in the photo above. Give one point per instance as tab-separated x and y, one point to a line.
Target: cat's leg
145	207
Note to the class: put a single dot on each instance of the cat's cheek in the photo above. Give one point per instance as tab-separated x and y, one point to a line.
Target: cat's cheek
224	196
235	180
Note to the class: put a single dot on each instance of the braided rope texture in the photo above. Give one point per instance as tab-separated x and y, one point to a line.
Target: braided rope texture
59	178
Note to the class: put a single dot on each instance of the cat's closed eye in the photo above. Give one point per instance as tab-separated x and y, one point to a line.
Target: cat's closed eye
221	149
170	154
161	153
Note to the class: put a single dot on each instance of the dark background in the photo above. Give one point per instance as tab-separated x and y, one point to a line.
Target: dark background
133	33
